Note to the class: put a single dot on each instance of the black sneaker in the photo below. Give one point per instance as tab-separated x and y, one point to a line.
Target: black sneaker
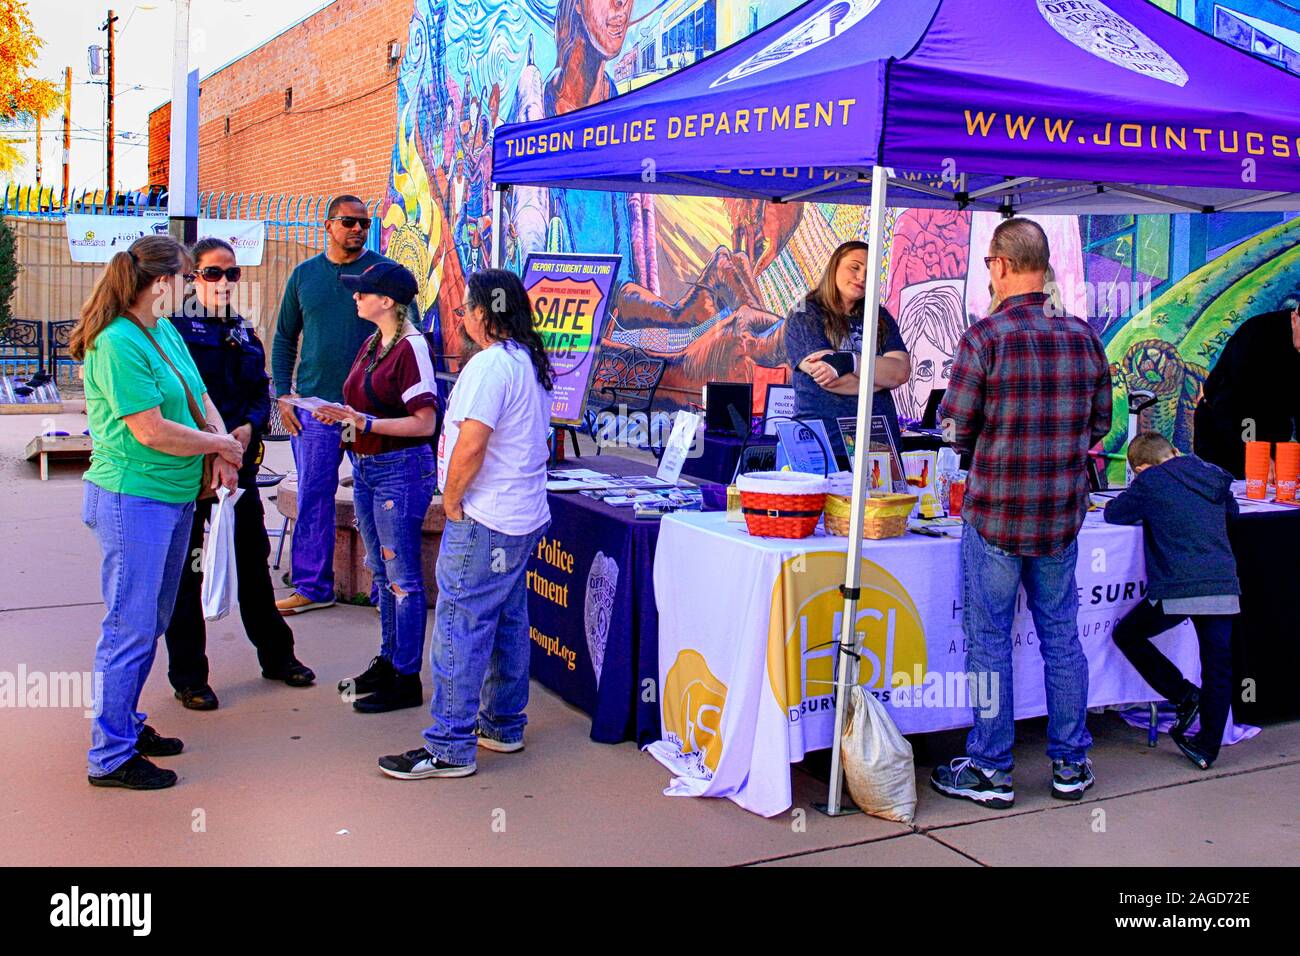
962	780
377	676
151	744
136	774
197	698
419	764
1069	780
1193	750
1188	710
406	690
295	673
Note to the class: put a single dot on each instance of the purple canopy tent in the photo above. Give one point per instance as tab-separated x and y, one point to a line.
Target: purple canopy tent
1011	107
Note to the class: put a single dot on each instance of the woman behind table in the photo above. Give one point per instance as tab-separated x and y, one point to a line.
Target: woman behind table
492	470
229	356
389	416
139	498
829	319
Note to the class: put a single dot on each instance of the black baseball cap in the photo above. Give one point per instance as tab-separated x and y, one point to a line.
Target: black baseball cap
385	278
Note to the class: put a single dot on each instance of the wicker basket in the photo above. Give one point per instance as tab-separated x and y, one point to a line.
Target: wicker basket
781	504
886	515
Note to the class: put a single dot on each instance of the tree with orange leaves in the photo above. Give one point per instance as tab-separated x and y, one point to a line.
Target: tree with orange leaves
22	97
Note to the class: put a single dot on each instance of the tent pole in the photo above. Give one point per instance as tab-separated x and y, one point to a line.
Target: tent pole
497	228
847	649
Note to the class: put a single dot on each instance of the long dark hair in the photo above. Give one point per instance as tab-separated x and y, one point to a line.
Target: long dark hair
839	316
508	316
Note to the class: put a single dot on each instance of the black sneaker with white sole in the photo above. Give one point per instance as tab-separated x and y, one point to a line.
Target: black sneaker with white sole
419	763
1069	780
962	780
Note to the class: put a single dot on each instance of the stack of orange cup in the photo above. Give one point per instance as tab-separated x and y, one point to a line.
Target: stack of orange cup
1258	454
1288	469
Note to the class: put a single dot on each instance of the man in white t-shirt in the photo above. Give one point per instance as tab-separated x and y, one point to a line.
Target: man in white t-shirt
492	460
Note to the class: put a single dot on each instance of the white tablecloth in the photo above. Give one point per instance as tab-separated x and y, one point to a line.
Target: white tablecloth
745	655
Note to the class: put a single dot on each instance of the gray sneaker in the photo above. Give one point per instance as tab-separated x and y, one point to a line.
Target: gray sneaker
962	780
1069	780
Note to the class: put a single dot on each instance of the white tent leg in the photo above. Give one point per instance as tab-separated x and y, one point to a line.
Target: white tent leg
496	226
847	649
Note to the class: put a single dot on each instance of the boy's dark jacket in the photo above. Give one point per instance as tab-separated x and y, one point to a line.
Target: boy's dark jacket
1184	506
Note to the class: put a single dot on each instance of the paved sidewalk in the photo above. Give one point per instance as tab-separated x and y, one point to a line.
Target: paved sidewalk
288	776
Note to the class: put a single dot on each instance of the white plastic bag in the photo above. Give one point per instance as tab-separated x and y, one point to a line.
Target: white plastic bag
220	579
878	760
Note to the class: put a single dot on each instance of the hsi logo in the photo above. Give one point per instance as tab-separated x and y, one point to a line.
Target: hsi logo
820	27
692	707
1096	28
807	610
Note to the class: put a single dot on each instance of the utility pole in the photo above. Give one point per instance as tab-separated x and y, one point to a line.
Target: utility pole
108	136
38	156
67	133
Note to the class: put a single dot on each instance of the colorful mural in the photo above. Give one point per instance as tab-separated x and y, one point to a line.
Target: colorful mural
705	284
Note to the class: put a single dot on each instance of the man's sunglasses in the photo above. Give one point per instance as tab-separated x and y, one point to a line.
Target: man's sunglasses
214	274
351	221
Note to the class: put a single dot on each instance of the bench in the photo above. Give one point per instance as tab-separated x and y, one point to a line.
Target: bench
60	448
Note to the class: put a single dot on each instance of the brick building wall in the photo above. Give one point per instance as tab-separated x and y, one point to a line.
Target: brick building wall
336	133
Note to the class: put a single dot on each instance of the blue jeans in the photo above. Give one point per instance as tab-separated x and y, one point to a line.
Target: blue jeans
145	543
392	492
317	455
481	645
991	580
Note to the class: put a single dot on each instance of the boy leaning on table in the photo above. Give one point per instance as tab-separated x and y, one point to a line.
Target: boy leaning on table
1184	505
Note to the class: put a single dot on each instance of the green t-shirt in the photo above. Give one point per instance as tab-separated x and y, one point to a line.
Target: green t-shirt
124	374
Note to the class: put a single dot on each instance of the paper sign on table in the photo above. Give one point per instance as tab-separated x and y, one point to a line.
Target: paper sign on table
680	442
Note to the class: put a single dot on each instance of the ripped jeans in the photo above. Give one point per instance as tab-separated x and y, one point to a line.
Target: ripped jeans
392	492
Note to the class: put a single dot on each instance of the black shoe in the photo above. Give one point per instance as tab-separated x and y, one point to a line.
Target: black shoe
152	744
136	774
197	698
1188	709
962	780
1193	750
405	691
377	676
1069	780
295	673
419	763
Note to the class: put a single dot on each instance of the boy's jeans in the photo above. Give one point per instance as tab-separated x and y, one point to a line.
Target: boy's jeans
317	455
991	579
481	645
1214	633
391	492
144	544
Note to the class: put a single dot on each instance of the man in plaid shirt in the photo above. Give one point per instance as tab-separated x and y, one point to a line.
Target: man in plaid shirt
1028	396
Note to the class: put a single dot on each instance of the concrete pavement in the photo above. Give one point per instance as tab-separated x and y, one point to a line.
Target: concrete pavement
288	776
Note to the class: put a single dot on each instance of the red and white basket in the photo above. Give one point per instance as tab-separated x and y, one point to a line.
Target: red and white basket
781	504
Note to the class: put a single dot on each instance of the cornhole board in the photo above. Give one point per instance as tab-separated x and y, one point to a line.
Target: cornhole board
44	401
60	448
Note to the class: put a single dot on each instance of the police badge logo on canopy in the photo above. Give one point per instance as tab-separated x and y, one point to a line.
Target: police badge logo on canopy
822	27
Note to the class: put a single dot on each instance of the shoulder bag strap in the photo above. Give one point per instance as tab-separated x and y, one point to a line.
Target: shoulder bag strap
200	420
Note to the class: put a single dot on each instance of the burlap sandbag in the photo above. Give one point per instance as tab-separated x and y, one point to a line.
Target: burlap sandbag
878	760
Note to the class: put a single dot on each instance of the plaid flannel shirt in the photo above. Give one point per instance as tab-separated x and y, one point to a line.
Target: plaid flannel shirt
1029	395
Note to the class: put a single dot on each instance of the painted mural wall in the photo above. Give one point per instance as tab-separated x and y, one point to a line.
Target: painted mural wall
705	284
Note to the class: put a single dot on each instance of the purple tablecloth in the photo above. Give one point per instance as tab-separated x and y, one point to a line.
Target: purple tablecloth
591	610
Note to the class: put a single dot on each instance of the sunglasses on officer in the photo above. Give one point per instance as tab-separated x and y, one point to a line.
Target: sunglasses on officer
214	274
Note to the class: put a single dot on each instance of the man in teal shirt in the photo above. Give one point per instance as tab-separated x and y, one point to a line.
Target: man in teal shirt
318	328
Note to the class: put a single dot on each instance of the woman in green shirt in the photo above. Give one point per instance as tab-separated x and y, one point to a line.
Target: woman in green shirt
144	476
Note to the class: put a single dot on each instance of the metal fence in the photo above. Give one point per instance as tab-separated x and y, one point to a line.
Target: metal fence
51	287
